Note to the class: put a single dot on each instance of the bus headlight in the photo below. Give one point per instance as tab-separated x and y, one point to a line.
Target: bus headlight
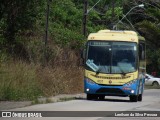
89	81
131	82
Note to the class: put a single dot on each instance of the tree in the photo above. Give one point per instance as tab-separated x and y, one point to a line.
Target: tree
149	27
16	18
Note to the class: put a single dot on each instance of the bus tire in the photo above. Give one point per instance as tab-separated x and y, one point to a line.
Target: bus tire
91	96
140	97
133	98
101	97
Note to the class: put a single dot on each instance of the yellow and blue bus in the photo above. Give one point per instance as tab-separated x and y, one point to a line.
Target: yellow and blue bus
114	65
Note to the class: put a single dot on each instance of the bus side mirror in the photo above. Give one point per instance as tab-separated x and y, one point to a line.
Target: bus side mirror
83	56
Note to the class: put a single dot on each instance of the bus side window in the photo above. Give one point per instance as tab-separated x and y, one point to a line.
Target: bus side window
142	51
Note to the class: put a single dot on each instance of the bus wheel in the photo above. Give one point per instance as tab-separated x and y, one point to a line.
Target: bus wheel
133	98
89	96
140	97
101	97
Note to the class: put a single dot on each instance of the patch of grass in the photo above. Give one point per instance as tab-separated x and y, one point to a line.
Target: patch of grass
63	76
35	101
49	100
60	80
18	82
67	99
26	81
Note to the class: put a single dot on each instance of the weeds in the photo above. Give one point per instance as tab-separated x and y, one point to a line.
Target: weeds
60	80
27	81
67	99
18	82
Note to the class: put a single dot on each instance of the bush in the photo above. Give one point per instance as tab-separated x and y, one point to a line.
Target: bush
18	82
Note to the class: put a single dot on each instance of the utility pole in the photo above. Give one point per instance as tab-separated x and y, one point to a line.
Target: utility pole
85	18
46	33
113	5
113	13
47	21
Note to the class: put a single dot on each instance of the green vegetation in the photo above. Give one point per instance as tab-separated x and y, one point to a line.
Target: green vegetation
18	82
67	99
22	31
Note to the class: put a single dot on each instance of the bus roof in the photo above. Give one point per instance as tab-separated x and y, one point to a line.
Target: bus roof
115	31
129	36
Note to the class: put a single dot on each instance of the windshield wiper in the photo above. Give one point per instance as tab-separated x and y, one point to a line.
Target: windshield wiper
98	71
122	71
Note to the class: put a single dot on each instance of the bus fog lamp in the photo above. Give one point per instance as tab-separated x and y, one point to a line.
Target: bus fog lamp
87	89
132	91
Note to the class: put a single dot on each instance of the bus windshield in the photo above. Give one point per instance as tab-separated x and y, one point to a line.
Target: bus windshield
112	57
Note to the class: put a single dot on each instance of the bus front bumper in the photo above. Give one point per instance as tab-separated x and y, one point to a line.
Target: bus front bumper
110	90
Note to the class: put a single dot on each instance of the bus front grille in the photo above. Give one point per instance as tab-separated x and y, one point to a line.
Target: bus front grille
116	78
110	91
